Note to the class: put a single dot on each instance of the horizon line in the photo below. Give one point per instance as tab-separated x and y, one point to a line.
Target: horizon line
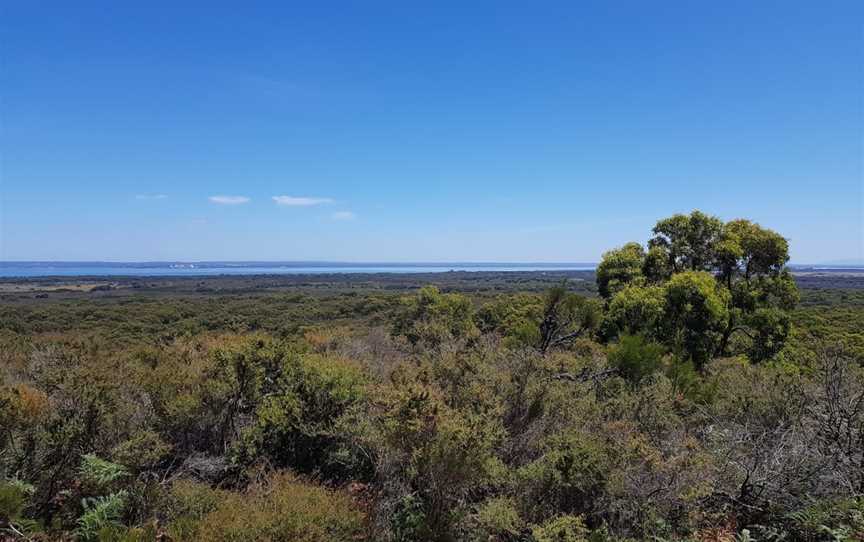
852	262
294	262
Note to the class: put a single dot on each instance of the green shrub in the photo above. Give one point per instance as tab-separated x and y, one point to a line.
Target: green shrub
569	477
634	309
686	381
515	317
408	521
635	358
187	504
141	451
497	519
100	472
435	454
14	495
430	318
561	529
298	424
566	317
101	515
286	510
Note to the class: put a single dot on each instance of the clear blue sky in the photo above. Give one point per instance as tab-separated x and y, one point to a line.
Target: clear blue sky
423	131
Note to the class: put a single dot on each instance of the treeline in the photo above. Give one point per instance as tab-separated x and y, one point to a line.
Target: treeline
691	401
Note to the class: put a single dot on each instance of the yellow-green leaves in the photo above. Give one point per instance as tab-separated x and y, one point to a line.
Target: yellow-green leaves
620	268
716	281
430	318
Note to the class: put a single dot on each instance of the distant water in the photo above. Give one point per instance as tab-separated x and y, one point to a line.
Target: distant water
170	269
192	269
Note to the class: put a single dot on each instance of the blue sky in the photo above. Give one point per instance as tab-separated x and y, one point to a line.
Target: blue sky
433	131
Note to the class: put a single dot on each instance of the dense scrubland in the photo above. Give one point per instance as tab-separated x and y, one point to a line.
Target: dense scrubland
691	389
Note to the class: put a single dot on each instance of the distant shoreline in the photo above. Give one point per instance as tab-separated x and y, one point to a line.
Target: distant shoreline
32	269
281	263
210	269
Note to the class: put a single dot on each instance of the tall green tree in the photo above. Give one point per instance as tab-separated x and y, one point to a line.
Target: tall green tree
619	268
689	241
696	311
751	264
703	286
635	309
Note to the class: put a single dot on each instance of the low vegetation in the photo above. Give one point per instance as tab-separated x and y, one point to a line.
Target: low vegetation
698	397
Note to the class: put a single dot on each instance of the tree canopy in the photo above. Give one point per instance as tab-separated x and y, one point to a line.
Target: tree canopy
702	286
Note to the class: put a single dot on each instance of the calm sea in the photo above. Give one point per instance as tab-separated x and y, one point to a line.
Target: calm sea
89	269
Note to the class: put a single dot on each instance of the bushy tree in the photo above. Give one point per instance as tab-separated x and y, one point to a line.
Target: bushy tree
724	288
620	267
635	309
689	242
751	264
696	311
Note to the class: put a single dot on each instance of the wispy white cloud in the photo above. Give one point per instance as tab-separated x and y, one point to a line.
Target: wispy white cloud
293	201
343	215
151	196
228	200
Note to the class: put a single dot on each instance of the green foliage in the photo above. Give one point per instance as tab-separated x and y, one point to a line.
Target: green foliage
620	268
436	454
561	529
13	498
635	309
656	267
432	318
569	477
828	318
566	317
747	307
286	509
100	518
408	521
770	327
688	241
147	533
685	379
299	424
100	472
497	519
101	515
233	384
747	247
135	417
515	317
141	451
187	505
695	314
635	358
835	521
